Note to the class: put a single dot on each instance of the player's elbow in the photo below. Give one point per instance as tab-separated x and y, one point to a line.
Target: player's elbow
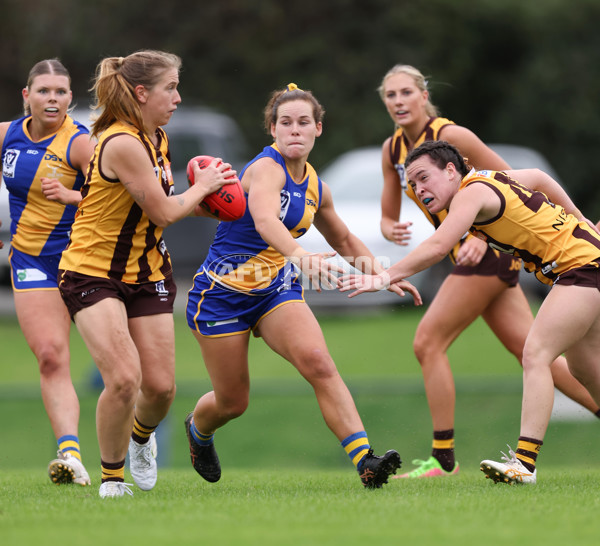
262	227
438	251
162	219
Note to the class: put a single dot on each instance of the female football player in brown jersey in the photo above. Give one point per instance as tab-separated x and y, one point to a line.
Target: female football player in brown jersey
483	281
524	213
116	276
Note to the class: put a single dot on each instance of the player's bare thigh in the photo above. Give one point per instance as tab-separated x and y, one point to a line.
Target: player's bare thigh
459	301
226	361
154	338
567	321
293	332
104	328
509	316
43	319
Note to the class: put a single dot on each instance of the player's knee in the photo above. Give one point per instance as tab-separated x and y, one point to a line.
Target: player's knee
534	359
318	366
425	348
232	409
159	393
124	386
52	360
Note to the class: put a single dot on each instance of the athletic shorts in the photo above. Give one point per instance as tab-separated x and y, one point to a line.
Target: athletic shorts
493	264
150	298
215	311
587	275
33	272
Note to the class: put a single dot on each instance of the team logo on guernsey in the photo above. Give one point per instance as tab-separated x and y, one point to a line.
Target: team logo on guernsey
285	204
9	162
402	175
243	273
160	289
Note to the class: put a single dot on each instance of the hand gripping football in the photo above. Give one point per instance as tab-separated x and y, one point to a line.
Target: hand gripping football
227	203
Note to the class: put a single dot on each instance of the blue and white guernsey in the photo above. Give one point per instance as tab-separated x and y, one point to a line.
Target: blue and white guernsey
39	227
240	260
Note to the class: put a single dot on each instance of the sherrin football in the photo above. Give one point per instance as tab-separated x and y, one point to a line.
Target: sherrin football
227	203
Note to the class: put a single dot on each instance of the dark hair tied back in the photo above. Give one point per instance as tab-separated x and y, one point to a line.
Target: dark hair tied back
441	153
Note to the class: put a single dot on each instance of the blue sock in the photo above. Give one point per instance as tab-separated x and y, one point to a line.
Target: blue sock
69	443
356	446
199	438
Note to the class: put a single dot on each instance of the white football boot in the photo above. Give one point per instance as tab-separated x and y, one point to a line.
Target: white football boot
142	462
68	469
510	471
110	490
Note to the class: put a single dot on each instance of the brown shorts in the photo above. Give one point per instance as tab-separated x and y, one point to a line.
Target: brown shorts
150	298
587	275
493	264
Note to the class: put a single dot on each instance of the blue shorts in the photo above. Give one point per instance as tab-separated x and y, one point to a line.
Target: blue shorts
214	311
33	272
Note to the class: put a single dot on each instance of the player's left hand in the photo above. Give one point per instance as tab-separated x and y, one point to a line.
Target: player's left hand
595	227
363	283
401	286
320	272
53	190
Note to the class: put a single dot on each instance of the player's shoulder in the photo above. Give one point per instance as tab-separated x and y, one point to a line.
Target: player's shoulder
264	164
456	134
3	130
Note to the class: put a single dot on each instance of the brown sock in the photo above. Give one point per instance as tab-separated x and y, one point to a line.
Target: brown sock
443	448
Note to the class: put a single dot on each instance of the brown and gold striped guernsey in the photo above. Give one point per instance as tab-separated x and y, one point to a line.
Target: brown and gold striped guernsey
529	226
400	148
112	237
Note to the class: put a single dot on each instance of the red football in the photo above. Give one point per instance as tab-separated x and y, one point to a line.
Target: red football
228	203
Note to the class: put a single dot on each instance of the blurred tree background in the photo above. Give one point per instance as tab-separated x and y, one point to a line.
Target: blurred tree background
513	71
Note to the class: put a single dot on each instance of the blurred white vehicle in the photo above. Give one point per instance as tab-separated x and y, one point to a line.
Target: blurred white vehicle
356	181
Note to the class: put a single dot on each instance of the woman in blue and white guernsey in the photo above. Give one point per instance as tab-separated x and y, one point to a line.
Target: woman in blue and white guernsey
250	283
45	155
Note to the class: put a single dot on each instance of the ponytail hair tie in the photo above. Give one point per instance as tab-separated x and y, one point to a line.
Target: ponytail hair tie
292	87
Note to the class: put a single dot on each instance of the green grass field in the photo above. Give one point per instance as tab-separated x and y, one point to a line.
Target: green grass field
305	506
285	479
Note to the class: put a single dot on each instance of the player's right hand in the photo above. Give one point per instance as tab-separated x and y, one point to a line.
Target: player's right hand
401	234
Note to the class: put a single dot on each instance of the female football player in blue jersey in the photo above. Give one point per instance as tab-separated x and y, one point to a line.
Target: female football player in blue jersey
524	213
483	281
250	284
46	147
